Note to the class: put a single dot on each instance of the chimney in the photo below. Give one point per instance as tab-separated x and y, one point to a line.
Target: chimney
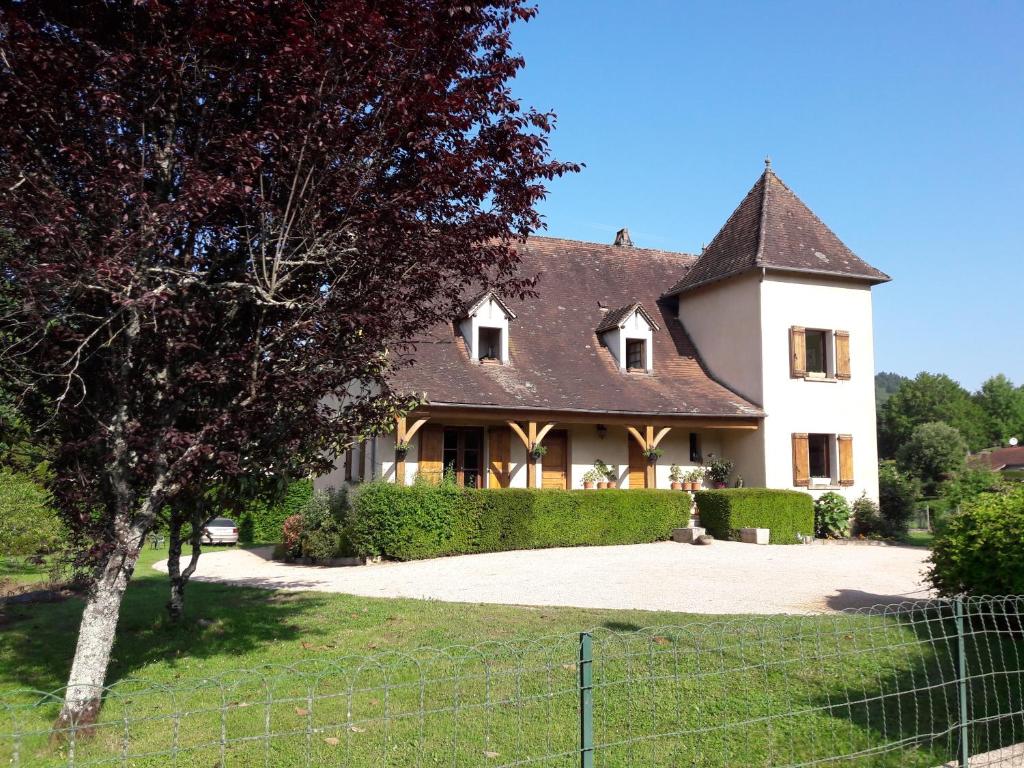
622	238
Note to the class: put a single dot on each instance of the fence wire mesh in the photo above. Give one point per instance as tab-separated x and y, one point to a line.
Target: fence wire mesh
915	684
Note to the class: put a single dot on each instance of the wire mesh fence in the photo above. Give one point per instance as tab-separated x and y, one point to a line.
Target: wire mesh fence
917	684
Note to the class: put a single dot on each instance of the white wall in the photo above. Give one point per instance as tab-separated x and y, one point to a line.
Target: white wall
488	315
814	406
724	321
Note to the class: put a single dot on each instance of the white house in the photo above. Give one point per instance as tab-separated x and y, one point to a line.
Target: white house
758	350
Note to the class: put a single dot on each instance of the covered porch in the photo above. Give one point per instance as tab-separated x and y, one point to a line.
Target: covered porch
496	448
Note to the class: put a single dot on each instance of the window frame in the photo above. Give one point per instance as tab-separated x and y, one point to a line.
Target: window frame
830	478
460	467
632	344
826	354
498	345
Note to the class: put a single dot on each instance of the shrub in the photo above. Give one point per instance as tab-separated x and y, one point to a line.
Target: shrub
291	536
896	497
325	532
980	550
787	514
261	521
28	524
867	521
430	520
831	516
969	484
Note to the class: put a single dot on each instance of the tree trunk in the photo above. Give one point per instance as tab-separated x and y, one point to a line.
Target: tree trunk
96	639
179	578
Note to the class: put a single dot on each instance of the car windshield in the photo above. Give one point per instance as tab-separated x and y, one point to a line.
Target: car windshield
221	522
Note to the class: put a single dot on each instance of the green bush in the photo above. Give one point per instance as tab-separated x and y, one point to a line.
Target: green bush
261	521
970	483
981	550
786	514
325	526
831	516
424	520
867	520
28	524
897	494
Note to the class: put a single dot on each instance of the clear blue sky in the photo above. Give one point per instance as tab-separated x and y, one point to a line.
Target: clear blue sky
900	124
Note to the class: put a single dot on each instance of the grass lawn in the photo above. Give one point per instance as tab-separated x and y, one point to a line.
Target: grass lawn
694	691
920	538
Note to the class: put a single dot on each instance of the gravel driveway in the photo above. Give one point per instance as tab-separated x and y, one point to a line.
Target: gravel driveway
726	577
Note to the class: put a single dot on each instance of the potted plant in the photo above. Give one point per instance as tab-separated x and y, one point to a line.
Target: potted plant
652	454
693	479
612	474
675	475
590	478
401	449
601	473
537	451
718	471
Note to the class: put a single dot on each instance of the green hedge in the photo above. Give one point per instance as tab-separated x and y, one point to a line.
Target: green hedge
261	522
785	513
423	520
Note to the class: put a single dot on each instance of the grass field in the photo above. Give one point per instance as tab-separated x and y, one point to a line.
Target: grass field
344	680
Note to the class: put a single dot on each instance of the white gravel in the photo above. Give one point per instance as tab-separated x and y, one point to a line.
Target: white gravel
726	577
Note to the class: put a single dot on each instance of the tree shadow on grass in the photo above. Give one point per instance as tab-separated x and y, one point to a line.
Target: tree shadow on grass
38	640
901	682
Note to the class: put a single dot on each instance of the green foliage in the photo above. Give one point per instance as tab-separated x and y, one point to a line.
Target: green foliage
934	451
787	514
1003	406
28	524
981	549
928	398
970	483
325	526
896	495
423	520
886	385
831	516
261	520
866	517
718	469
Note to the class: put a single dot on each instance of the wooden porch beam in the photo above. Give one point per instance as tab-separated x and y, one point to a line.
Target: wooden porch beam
519	433
639	438
650	470
661	433
415	428
399	459
544	431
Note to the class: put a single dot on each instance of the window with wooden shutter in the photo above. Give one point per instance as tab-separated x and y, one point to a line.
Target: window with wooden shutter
797	353
801	461
842	354
431	445
845	459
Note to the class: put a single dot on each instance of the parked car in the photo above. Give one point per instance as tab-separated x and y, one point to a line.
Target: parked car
221	530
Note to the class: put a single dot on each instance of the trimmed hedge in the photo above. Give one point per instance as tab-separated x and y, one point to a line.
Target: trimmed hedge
261	522
421	521
785	513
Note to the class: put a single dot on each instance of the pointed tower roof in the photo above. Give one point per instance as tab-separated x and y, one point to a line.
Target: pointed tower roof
773	229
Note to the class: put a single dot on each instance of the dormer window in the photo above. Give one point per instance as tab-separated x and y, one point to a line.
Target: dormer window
489	345
628	333
485	327
636	356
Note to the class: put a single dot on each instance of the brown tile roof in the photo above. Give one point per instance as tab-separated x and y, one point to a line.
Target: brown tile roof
1003	458
614	318
557	361
772	228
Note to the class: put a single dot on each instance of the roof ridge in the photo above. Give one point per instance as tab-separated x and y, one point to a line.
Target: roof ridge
762	221
624	249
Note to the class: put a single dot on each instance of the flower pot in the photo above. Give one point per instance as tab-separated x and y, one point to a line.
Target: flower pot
676	485
588	485
612	484
602	484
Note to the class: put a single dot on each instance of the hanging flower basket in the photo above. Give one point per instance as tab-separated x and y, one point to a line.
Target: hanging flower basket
401	449
652	455
538	451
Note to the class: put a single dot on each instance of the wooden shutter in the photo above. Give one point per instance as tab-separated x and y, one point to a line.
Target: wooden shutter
801	461
797	353
842	354
364	472
348	464
430	455
499	456
845	459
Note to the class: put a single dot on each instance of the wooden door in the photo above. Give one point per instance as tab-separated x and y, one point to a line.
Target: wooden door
637	464
555	464
431	442
499	456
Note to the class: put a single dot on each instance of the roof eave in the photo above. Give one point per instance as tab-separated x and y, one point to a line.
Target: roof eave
872	279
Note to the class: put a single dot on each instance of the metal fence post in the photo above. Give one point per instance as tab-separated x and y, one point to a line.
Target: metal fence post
586	701
963	753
